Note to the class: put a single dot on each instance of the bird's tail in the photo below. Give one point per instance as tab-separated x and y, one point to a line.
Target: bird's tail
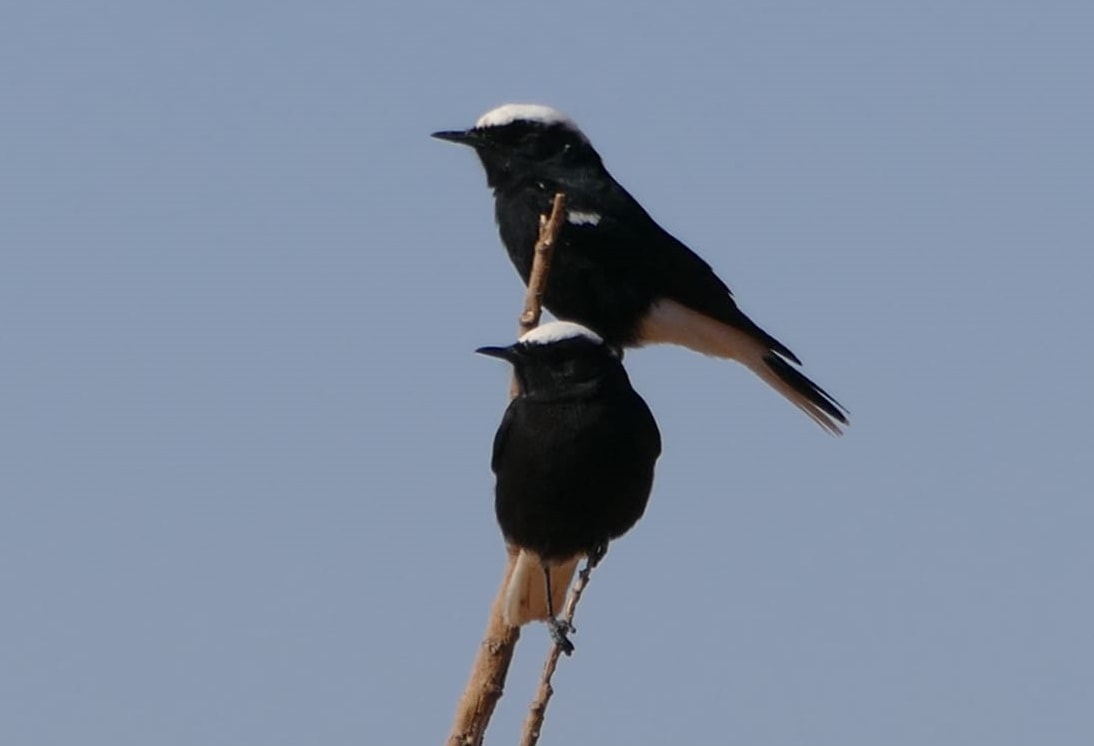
526	591
800	390
674	323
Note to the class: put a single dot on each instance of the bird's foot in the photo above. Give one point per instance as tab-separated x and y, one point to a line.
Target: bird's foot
560	628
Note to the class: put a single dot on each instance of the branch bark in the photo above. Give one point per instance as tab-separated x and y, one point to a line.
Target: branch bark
487	681
541	264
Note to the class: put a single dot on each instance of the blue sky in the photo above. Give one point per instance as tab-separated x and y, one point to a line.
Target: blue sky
245	441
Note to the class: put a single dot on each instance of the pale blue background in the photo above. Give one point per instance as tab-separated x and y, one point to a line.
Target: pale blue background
245	442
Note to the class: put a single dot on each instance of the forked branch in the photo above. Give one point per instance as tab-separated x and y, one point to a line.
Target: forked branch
487	681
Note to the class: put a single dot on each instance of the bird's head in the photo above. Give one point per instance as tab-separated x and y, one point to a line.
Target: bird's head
557	357
526	141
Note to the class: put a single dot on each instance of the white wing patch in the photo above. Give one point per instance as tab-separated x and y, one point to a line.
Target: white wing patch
577	217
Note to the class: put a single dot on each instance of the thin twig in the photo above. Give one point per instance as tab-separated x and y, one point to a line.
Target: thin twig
537	280
541	264
487	681
537	711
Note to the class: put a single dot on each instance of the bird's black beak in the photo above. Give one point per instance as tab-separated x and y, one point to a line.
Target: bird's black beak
463	137
505	353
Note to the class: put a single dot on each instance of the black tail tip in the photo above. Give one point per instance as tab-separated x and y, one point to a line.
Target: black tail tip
801	384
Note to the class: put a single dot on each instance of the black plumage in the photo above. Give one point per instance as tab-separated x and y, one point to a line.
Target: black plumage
574	458
615	270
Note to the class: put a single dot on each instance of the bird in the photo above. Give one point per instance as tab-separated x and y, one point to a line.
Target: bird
615	270
574	461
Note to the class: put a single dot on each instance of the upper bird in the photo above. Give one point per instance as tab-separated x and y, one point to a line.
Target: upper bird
614	269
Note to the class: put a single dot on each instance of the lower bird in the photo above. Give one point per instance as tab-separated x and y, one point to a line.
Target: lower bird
615	270
574	460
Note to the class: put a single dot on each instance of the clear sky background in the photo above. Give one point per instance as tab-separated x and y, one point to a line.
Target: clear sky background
244	441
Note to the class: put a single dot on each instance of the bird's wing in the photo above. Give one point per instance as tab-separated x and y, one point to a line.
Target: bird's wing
678	272
685	302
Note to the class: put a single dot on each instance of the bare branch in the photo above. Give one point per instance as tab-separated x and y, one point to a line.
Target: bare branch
487	681
541	264
491	666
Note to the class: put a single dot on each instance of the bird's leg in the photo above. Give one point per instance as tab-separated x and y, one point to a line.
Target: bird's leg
559	627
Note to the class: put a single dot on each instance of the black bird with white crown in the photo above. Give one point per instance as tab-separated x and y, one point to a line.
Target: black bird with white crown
615	270
574	459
